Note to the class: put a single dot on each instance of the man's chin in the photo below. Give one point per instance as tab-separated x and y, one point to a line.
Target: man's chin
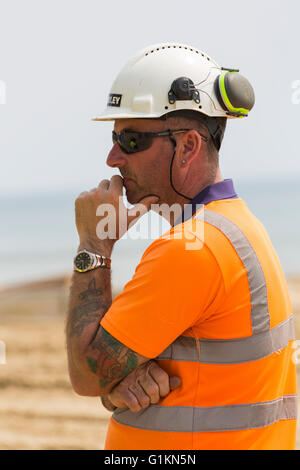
134	197
131	197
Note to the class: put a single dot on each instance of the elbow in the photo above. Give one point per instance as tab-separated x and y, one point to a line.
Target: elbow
86	385
85	388
83	391
80	387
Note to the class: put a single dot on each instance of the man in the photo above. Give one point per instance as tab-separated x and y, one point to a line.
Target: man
208	302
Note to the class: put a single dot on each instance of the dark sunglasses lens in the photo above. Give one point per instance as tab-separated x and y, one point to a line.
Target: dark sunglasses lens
126	144
132	142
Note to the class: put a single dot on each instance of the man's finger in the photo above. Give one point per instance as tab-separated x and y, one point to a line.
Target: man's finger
140	209
104	184
140	394
150	387
122	398
84	193
149	200
161	378
174	382
116	184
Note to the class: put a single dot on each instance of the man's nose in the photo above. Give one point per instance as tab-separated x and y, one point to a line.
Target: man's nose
116	157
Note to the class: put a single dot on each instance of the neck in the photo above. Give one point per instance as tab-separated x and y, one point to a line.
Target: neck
179	202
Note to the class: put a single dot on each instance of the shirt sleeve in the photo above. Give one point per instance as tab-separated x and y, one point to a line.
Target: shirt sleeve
170	292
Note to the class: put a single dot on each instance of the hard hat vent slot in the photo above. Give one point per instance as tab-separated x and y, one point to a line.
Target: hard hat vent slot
176	46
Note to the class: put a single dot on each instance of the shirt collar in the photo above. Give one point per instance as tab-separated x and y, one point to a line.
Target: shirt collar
222	190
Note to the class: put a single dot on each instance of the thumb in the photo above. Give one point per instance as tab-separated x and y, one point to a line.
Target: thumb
143	206
174	382
148	201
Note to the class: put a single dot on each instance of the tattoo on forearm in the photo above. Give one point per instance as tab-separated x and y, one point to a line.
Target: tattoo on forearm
88	311
114	360
92	290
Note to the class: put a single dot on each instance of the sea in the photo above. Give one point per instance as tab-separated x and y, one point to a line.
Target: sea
38	238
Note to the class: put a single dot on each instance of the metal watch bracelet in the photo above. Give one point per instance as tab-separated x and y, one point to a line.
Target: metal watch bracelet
101	262
96	261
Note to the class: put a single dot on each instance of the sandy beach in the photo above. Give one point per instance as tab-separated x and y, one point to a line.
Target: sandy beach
38	408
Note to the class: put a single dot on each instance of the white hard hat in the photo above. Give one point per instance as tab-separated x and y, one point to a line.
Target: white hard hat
170	77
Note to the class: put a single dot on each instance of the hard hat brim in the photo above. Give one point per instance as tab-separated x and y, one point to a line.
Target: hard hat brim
113	117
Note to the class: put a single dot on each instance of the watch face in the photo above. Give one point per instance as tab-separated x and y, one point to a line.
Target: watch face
82	261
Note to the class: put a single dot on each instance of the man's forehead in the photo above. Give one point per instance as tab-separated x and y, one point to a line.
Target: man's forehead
143	125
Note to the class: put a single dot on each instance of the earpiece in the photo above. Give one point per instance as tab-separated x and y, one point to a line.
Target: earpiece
234	92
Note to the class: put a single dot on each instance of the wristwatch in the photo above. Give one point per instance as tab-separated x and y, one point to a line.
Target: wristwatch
86	261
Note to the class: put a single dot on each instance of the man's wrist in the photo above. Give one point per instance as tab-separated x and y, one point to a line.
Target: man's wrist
99	247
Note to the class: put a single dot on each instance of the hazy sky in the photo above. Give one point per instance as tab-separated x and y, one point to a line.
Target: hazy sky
58	59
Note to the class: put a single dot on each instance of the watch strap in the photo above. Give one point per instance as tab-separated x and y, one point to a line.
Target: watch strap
101	262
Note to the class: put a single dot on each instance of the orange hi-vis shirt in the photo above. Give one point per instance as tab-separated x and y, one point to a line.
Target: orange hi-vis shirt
210	302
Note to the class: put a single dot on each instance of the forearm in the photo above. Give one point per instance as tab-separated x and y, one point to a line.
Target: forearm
90	298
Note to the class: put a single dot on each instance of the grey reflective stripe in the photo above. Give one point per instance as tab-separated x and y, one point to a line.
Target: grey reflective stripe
231	351
210	419
260	318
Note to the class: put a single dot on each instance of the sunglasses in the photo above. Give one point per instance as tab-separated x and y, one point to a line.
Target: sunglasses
132	141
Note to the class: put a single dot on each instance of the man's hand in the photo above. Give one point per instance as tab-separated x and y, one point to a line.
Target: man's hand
106	201
144	386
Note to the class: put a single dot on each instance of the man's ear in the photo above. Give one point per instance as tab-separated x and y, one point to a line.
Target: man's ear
190	146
